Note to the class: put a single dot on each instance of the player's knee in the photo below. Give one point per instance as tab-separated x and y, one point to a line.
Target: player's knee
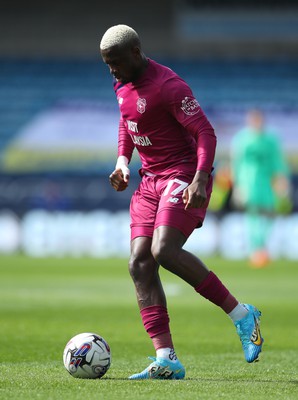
164	254
133	268
141	268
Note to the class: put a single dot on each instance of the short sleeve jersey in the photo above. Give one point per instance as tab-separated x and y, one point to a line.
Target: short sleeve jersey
162	119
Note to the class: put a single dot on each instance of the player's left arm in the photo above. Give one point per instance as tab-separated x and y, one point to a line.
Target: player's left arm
188	112
195	195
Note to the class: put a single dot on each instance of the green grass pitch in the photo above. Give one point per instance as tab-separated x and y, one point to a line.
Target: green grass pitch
44	302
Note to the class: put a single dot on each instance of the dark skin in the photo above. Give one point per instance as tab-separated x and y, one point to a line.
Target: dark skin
127	63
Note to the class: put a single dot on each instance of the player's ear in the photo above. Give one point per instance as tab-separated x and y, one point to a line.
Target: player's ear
136	51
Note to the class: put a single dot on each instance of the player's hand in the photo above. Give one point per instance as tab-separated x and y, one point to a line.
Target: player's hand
194	196
119	178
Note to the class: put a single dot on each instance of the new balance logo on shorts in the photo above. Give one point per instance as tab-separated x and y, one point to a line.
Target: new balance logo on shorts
173	199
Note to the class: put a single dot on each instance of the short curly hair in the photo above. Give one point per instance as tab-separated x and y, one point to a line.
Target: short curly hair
119	35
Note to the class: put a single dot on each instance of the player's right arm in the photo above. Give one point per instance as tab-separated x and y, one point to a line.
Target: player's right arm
119	178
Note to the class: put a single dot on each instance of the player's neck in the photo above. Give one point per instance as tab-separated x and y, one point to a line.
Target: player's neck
143	67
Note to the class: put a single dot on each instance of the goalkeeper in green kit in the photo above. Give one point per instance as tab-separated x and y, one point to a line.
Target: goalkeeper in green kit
260	181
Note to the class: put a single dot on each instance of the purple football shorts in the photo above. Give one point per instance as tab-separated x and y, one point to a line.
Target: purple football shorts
158	202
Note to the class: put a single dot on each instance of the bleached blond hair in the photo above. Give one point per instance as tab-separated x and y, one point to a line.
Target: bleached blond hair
118	35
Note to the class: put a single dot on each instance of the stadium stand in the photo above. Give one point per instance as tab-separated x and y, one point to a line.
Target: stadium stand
29	86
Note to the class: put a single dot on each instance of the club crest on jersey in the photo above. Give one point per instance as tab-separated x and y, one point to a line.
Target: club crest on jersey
190	106
141	105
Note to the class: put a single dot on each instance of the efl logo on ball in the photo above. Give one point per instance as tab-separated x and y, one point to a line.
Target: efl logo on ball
87	356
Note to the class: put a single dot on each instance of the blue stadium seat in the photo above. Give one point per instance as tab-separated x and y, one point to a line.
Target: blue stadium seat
29	86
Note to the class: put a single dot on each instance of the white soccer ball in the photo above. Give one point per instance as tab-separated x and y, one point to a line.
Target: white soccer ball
87	356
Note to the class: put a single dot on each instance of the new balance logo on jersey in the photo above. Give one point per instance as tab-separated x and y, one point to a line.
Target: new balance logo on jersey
141	140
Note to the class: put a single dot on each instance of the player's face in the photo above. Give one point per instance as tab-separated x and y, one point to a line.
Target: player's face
124	63
256	121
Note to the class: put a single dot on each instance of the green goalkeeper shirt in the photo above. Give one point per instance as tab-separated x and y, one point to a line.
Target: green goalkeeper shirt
257	159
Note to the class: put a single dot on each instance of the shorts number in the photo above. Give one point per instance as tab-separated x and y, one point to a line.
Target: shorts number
181	186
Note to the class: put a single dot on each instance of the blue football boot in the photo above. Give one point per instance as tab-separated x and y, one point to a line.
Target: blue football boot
161	368
248	329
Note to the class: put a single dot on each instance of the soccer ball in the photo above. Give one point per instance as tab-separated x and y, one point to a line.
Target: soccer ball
87	356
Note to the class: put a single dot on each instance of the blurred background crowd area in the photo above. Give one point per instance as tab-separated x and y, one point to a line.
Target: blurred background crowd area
59	116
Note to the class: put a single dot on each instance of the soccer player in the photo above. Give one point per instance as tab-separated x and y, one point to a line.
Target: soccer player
260	176
161	118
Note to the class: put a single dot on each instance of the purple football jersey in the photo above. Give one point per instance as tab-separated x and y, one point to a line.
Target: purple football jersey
162	119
